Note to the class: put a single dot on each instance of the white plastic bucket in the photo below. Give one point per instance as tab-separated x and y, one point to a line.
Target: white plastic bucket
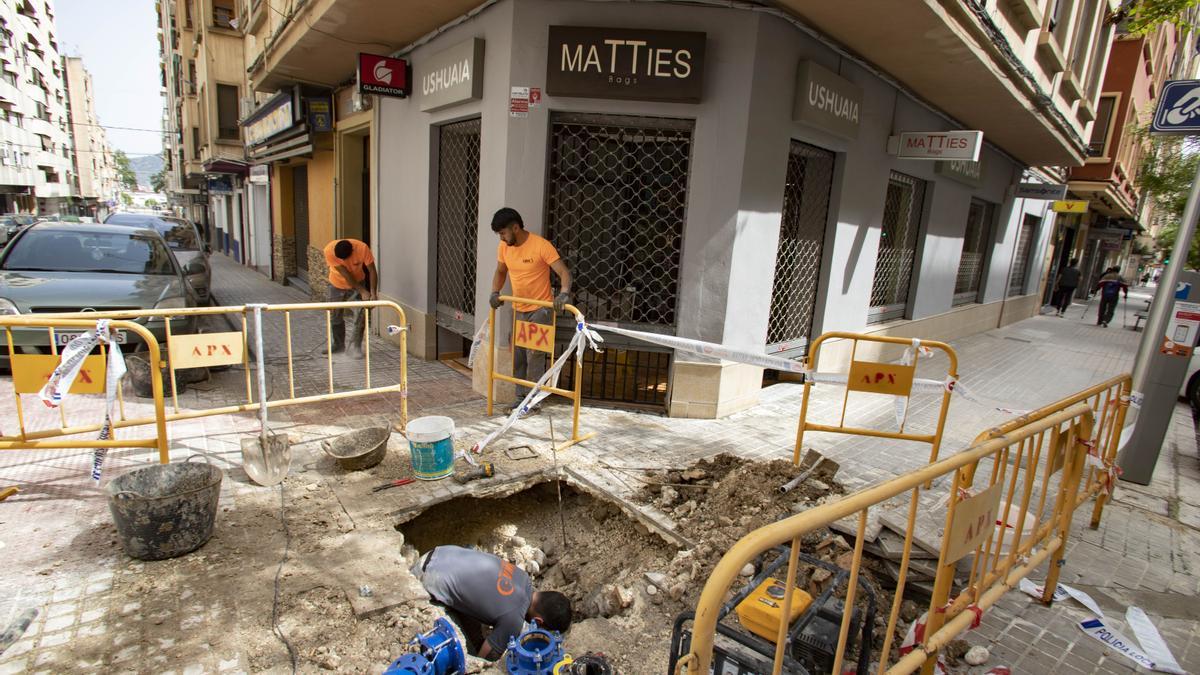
431	444
1012	517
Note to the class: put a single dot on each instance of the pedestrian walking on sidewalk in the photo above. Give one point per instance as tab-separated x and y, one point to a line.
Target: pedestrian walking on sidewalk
352	276
527	259
1110	286
1068	281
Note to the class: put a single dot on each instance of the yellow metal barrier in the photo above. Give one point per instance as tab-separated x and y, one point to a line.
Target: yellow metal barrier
94	372
539	337
876	378
1110	400
215	349
1035	467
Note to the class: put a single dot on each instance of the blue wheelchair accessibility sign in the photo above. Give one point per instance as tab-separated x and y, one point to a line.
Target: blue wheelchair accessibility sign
1178	108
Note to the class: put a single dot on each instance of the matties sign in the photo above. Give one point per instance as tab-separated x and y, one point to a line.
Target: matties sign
625	63
452	76
937	145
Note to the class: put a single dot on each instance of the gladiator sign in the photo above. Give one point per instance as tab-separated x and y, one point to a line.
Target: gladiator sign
536	336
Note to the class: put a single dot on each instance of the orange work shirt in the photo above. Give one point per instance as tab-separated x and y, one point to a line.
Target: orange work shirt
356	264
529	268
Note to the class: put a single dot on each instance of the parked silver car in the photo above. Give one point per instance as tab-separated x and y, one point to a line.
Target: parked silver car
184	240
11	224
54	267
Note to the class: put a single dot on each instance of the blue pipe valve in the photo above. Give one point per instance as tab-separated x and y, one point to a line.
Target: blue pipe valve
439	653
535	652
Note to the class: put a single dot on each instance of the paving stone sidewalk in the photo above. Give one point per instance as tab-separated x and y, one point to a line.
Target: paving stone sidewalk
1143	552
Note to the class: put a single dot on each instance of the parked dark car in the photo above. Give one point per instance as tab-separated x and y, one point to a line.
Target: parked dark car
12	223
183	238
55	267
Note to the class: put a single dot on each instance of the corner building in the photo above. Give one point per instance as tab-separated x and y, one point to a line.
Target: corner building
724	174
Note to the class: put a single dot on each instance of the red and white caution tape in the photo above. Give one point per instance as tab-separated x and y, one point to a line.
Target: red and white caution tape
69	365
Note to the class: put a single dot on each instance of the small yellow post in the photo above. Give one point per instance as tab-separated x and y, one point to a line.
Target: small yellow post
246	359
17	397
491	358
287	322
403	374
1066	503
329	346
367	342
171	364
62	406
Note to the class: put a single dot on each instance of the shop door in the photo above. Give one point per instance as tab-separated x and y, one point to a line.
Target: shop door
801	242
366	189
616	205
300	215
457	226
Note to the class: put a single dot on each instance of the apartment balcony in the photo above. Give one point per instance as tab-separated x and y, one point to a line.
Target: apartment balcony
309	54
947	56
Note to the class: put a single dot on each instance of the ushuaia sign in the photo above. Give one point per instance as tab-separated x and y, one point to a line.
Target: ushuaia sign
625	63
451	76
827	101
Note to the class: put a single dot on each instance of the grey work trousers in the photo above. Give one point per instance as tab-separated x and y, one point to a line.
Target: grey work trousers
530	364
337	322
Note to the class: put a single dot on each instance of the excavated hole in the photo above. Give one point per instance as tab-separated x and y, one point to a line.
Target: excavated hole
600	566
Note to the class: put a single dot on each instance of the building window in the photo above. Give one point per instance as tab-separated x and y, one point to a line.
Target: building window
1101	128
191	77
970	264
227	113
47	144
1021	256
223	13
897	247
1085	26
187	14
195	142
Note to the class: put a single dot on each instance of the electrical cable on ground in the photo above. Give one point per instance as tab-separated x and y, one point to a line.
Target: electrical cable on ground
287	544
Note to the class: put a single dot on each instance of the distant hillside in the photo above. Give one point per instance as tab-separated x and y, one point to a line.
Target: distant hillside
146	166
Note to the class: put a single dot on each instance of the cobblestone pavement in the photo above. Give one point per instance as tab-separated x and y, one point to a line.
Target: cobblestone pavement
62	558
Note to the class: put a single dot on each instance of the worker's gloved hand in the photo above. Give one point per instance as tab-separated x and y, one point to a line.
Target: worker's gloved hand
495	301
560	300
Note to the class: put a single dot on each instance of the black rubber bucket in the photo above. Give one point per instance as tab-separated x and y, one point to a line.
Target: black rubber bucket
165	510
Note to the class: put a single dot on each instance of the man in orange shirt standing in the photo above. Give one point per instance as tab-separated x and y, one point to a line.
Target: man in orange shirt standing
352	273
528	259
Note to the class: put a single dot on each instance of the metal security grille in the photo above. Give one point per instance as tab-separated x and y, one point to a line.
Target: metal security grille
970	265
457	225
897	247
801	240
1020	263
615	209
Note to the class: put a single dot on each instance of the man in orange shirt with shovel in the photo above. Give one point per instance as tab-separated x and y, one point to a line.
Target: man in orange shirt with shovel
528	259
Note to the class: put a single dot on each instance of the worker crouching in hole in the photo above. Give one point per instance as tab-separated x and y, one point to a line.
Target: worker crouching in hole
479	589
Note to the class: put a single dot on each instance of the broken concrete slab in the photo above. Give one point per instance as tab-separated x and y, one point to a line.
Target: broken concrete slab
369	568
927	529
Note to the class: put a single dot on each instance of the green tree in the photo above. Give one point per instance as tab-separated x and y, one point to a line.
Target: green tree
158	182
1142	17
151	203
1166	177
126	198
124	171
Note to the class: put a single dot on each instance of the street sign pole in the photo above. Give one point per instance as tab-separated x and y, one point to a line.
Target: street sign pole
1157	376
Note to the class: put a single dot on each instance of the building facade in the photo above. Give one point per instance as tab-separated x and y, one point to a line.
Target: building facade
95	169
204	59
1117	213
37	172
729	174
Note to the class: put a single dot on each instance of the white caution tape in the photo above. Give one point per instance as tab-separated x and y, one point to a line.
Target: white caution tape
1062	592
394	330
1150	649
1115	641
70	363
480	336
709	349
1152	642
583	339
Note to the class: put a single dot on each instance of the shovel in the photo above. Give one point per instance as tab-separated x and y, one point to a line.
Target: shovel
268	458
809	463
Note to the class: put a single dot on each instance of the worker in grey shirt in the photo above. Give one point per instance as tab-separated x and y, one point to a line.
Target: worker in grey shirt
481	588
